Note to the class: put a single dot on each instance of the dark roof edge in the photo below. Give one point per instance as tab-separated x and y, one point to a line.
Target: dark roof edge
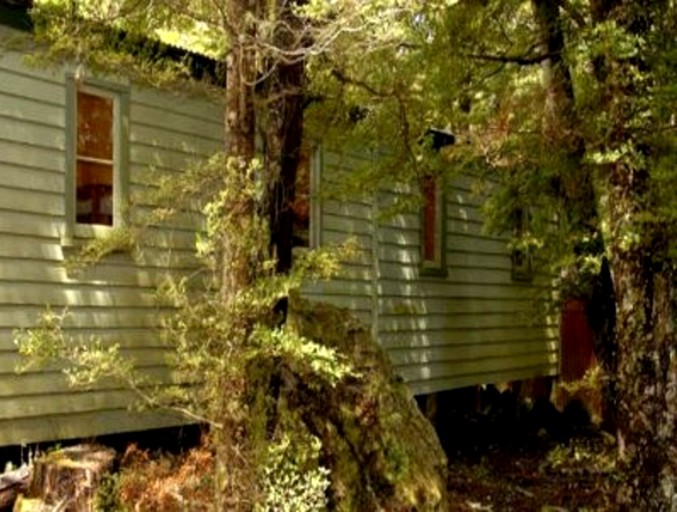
15	14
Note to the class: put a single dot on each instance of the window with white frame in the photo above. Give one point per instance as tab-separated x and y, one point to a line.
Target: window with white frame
97	156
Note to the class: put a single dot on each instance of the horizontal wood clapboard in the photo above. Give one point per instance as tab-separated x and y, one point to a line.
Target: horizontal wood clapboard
473	324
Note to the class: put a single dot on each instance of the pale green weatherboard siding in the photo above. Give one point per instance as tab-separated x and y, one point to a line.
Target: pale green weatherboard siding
340	218
114	300
471	326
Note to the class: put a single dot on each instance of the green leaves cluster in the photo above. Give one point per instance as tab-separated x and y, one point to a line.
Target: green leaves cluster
215	339
84	362
292	478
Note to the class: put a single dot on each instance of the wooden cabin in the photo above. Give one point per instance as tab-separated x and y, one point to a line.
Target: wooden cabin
450	304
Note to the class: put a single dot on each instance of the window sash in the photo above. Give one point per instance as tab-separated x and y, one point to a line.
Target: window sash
96	112
430	224
92	160
306	227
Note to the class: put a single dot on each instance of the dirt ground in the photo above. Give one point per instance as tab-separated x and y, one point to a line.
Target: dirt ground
574	475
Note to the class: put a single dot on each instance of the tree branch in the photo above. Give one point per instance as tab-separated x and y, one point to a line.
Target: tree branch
346	80
522	60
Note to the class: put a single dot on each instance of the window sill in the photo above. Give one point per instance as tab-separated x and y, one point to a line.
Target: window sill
520	276
83	233
433	271
522	269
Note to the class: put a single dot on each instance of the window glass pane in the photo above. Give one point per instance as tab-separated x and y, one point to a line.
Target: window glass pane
518	222
301	204
430	219
521	258
94	193
95	126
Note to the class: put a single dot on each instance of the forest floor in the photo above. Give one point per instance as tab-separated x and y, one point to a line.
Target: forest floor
541	475
540	460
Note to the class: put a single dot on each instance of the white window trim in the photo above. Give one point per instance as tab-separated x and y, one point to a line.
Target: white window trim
119	93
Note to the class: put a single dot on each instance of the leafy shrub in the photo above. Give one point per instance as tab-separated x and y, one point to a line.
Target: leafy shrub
292	480
221	329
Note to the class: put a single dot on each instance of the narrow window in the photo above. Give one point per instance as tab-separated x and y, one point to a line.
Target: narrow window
97	157
301	204
306	205
521	257
432	226
94	158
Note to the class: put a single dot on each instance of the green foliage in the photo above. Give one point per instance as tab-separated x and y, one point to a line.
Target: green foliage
112	39
119	239
292	478
84	362
305	357
213	340
107	497
43	343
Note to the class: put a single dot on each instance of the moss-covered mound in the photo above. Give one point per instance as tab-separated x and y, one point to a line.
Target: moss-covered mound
383	454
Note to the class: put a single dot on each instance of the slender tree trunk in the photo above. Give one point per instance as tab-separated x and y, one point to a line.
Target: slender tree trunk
240	136
575	186
288	133
235	481
284	134
281	103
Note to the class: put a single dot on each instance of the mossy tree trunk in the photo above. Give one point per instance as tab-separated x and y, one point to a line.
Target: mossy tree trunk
235	479
240	134
643	270
382	453
647	354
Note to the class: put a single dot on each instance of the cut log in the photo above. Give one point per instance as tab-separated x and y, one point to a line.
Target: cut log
12	484
69	478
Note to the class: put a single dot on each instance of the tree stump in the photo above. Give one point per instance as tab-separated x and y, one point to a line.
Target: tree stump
382	453
69	478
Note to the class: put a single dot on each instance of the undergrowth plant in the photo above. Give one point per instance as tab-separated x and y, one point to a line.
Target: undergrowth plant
220	342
